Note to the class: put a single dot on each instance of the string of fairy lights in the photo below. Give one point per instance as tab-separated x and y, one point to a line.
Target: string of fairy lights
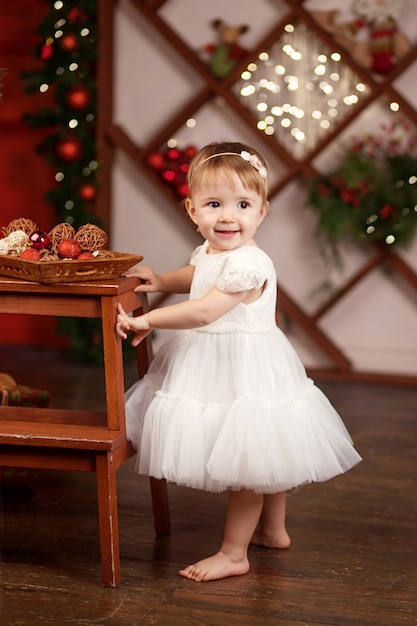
299	89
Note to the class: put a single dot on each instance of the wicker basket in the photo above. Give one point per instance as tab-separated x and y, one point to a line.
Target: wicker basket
68	271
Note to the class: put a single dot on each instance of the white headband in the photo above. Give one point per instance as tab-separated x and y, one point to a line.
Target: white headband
246	156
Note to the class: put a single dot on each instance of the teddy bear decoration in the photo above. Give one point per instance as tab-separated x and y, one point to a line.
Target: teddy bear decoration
224	55
372	36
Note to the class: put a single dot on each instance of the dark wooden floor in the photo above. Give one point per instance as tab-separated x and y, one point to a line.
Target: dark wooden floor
353	560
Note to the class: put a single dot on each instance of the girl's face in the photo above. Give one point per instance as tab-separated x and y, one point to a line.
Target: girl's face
226	213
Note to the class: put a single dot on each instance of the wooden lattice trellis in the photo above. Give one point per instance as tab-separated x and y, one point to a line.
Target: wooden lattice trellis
111	136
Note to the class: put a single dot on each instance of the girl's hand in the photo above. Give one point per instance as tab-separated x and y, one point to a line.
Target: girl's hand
139	325
151	282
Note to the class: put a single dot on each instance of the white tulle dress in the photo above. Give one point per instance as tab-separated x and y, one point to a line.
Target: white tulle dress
229	405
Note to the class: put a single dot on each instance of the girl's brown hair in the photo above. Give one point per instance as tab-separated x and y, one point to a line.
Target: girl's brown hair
225	157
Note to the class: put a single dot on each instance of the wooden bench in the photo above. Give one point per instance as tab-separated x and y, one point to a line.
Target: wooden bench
82	440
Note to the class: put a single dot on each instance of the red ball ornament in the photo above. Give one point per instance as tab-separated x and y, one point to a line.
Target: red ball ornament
182	190
184	167
190	152
168	176
180	176
69	149
69	249
31	254
69	43
87	192
86	255
77	15
47	52
78	98
156	160
173	154
39	240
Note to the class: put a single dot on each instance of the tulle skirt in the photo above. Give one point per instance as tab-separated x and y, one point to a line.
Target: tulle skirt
233	411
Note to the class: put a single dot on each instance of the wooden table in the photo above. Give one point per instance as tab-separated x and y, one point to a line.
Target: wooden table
82	440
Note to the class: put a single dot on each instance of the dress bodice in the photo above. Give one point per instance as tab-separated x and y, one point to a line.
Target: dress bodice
236	270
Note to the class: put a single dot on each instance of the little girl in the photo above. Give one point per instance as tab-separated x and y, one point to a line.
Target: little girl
226	403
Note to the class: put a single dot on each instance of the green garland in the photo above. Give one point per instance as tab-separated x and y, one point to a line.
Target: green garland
68	51
68	55
371	197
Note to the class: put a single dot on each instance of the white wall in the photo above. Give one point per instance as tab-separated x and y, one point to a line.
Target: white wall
376	324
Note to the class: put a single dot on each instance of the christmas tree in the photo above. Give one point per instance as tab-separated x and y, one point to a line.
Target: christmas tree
68	50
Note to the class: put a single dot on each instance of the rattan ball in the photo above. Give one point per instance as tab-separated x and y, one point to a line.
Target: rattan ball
17	241
4	246
47	255
60	232
91	237
105	254
21	223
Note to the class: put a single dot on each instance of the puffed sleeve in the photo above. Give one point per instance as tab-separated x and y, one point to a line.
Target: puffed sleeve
242	273
194	255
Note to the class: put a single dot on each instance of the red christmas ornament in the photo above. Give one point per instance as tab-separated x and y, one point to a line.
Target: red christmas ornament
31	254
86	255
182	190
69	43
47	52
190	152
78	98
184	167
69	249
39	240
387	211
77	15
173	154
69	149
156	160
168	176
87	192
180	176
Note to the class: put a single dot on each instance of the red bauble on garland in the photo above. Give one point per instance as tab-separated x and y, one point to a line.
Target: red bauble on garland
78	98
69	42
182	190
172	165
47	52
69	149
87	192
173	154
77	15
156	160
190	152
168	176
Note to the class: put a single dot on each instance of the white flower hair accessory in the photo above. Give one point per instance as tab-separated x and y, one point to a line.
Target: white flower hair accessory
246	156
255	162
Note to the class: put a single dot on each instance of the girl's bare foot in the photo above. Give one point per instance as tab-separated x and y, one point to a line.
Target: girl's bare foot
279	540
219	565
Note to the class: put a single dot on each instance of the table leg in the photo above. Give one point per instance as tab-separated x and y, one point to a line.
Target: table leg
108	519
160	506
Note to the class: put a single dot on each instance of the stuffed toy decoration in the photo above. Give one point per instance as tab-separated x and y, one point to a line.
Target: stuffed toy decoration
224	56
12	394
386	44
372	37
